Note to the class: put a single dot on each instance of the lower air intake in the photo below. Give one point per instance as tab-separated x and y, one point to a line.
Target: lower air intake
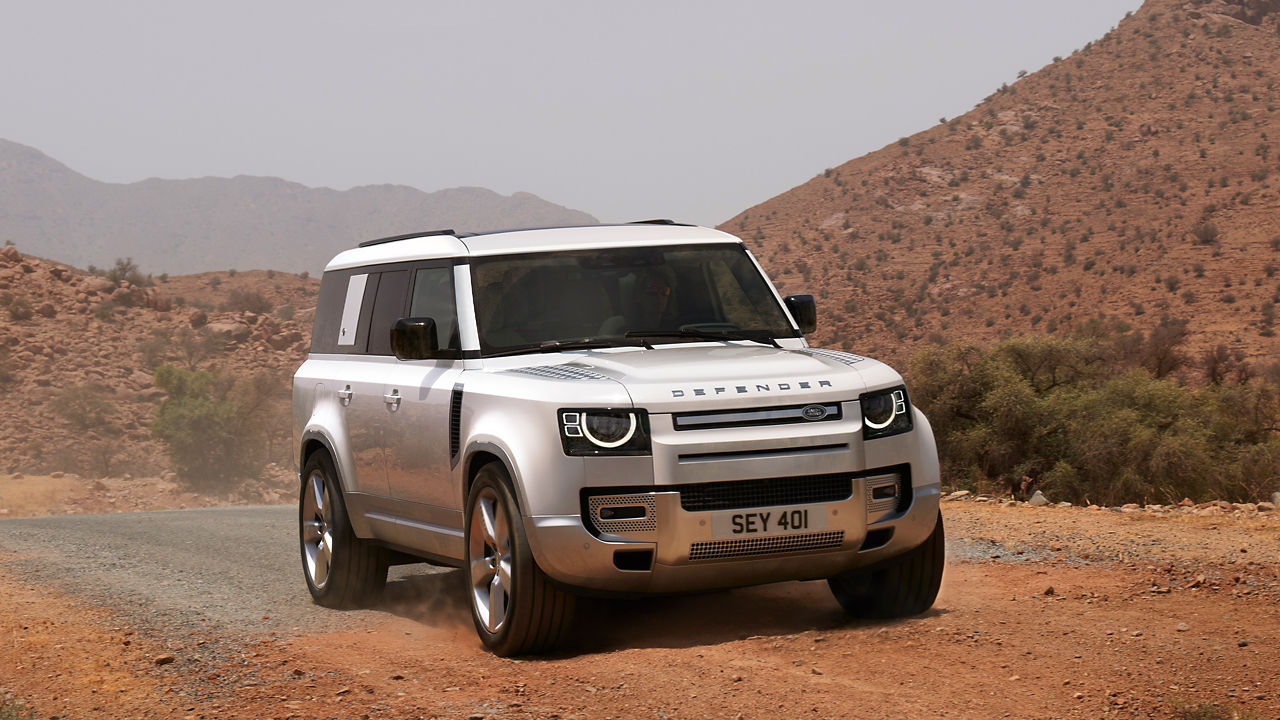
776	545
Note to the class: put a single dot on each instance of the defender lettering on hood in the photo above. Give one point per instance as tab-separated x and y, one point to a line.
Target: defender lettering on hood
753	388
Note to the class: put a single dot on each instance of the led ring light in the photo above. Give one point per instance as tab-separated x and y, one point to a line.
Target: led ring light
587	432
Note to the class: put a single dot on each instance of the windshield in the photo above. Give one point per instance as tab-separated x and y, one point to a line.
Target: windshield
612	296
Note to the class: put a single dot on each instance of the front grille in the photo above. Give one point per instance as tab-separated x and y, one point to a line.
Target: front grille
766	492
775	545
758	417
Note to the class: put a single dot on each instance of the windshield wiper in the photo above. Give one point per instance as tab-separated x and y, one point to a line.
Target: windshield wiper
550	346
763	337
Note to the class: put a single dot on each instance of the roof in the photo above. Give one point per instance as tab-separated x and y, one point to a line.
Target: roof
433	244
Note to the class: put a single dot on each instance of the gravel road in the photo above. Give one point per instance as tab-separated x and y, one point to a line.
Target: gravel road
217	569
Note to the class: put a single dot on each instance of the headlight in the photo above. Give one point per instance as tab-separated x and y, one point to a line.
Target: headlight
885	412
602	431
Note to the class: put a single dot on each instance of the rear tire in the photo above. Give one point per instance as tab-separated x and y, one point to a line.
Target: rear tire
516	609
342	571
900	587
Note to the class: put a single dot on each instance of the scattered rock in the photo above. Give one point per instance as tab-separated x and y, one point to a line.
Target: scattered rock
1048	592
958	494
11	254
1242	643
1275	498
1183	627
1266	507
165	659
1038	499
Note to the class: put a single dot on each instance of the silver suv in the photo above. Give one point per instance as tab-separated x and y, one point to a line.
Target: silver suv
621	409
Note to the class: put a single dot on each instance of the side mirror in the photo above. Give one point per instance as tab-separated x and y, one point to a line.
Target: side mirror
804	310
414	338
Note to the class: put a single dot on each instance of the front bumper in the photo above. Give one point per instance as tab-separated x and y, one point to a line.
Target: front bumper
675	549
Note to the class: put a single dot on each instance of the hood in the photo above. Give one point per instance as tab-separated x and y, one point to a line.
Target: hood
686	377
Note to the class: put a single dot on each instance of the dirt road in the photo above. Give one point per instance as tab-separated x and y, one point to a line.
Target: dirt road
1044	613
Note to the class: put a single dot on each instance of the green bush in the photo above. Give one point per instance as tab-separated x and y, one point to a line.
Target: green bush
1088	418
208	424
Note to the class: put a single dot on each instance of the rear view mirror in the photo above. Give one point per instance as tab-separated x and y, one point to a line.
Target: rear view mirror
804	310
414	338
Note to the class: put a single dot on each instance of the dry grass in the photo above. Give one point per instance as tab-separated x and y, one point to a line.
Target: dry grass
33	495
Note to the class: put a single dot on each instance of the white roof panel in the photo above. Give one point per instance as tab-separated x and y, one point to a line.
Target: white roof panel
522	241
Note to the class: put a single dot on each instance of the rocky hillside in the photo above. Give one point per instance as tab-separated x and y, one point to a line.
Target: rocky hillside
186	226
1135	179
77	352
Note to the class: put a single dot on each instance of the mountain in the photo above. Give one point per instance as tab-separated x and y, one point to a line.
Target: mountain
1133	181
186	226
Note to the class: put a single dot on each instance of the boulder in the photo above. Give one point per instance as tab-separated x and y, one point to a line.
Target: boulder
1038	499
10	254
232	330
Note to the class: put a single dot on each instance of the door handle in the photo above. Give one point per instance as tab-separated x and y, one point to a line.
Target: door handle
392	399
345	395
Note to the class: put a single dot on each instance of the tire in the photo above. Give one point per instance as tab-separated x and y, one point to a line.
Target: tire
516	609
342	571
900	587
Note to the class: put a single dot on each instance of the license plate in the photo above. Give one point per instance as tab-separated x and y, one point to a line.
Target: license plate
768	521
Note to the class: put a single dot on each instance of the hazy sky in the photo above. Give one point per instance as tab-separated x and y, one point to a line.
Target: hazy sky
690	110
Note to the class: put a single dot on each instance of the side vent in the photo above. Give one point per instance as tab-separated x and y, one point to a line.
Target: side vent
455	423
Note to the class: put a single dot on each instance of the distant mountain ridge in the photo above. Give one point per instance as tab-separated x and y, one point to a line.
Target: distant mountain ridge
244	222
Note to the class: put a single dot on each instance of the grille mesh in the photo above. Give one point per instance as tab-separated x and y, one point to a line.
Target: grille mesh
616	527
776	545
767	492
844	357
884	504
560	372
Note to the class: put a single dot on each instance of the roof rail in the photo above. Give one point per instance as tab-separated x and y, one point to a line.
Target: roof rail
406	236
659	221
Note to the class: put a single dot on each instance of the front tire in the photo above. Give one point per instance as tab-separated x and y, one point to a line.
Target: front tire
342	571
900	587
516	609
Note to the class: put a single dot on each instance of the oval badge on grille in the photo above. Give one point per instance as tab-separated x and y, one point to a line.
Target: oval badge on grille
814	412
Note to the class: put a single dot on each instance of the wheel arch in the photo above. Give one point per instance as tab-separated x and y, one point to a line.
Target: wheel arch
479	454
316	440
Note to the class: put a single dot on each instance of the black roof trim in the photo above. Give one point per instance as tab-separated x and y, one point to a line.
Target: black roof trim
410	236
659	221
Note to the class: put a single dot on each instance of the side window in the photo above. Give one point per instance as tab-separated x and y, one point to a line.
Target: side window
333	290
433	297
388	306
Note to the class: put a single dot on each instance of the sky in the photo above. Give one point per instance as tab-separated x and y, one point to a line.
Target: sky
693	110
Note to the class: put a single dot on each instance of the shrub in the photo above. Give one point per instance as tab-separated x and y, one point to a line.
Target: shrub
247	301
1080	417
213	426
85	407
20	309
126	270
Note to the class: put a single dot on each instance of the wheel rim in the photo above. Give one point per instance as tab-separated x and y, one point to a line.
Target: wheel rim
317	530
489	545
